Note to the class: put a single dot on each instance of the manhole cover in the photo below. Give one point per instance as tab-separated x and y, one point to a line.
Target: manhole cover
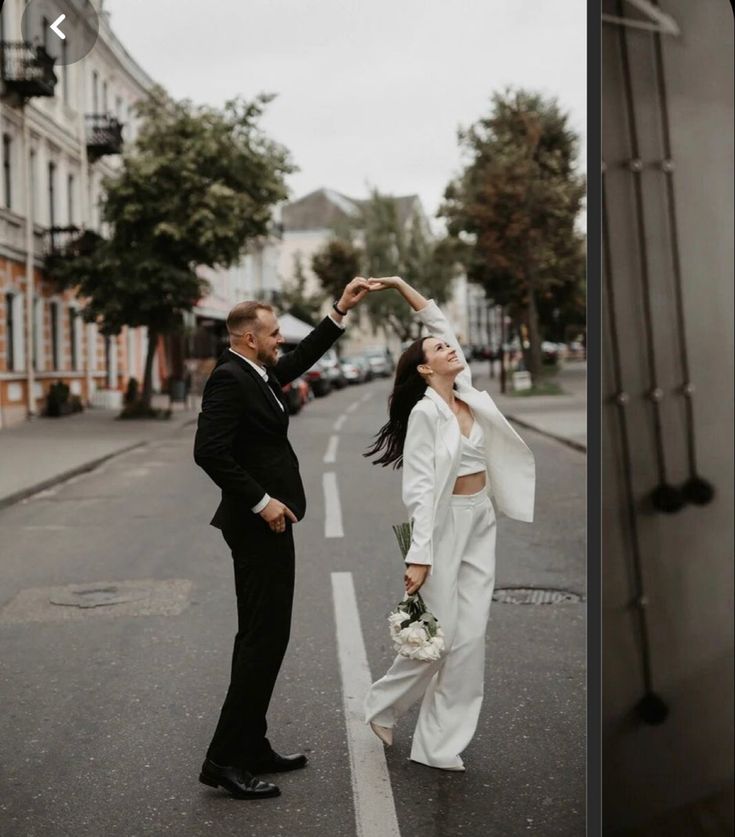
97	596
534	596
98	600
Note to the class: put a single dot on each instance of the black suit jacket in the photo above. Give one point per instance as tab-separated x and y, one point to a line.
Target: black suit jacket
241	439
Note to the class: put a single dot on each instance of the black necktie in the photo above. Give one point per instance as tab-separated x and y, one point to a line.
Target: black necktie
274	388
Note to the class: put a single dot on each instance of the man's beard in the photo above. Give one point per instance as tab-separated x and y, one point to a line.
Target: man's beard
267	359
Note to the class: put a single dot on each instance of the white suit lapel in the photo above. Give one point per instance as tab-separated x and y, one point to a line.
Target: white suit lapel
448	429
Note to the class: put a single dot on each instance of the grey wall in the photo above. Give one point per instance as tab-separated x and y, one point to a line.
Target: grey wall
687	557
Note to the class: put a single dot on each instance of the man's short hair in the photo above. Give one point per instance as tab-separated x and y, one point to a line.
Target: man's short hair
244	317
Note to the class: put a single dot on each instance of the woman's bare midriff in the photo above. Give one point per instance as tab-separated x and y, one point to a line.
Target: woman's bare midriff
470	483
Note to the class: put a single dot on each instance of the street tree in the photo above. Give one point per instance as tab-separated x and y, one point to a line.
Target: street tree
515	207
195	188
392	247
336	264
294	299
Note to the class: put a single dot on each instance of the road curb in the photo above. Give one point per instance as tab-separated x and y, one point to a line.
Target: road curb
17	496
578	446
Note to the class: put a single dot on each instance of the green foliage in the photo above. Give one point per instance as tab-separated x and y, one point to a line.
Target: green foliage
60	401
336	264
403	533
197	186
514	209
294	299
391	247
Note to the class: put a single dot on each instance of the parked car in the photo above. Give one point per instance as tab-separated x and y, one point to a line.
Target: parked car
549	352
356	369
333	369
381	361
318	379
298	393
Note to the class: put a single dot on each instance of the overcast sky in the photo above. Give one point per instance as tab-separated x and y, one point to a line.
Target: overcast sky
370	92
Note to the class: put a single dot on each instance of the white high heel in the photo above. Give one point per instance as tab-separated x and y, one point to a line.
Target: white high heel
385	734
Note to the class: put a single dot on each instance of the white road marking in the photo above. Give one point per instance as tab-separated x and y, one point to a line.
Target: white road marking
340	421
332	508
353	407
331	454
375	808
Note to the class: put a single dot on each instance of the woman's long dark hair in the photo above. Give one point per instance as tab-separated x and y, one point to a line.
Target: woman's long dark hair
408	389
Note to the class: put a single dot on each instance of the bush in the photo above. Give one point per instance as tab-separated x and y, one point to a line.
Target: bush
138	410
132	393
58	402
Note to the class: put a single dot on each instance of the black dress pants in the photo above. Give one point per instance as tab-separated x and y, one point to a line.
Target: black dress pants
264	583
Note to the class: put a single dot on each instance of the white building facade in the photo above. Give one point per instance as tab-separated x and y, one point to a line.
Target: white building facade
58	142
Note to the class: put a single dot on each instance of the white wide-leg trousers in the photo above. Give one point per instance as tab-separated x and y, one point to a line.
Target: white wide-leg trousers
458	592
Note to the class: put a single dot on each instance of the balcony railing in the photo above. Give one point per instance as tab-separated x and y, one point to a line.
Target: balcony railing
104	135
26	71
58	239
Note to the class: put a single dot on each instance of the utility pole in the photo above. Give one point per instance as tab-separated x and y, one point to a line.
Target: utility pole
502	349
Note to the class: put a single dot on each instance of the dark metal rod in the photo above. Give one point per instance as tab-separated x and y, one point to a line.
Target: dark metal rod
639	592
640	223
675	253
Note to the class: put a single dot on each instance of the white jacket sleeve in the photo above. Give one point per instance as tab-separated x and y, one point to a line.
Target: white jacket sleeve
438	326
419	481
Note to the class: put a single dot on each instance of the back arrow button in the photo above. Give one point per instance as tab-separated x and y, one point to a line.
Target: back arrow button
54	27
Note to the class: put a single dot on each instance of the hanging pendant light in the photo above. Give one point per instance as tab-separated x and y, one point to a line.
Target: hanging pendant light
696	489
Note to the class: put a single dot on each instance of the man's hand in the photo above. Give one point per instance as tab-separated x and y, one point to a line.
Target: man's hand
414	577
275	514
381	283
353	293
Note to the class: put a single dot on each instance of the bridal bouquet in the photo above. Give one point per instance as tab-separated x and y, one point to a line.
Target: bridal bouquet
414	630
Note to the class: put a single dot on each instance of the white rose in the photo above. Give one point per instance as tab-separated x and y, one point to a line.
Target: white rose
414	634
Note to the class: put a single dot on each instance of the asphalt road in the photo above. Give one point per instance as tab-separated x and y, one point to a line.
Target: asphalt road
107	711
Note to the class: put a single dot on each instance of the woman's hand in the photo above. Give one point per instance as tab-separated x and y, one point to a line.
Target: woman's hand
414	577
384	282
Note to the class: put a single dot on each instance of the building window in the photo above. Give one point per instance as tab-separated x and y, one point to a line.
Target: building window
104	97
64	73
10	332
39	361
56	335
70	186
108	354
95	91
7	170
74	336
52	194
32	177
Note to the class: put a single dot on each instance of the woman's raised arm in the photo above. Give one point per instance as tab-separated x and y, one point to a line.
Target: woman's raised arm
416	300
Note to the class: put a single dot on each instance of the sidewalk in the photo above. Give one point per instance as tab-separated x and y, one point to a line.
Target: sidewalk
561	417
44	451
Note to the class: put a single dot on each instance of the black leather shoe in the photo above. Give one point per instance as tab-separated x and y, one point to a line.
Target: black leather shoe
239	783
279	764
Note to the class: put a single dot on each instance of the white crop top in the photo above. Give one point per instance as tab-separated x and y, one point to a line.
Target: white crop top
472	459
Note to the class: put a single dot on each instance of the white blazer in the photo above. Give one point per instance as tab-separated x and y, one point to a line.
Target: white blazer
431	453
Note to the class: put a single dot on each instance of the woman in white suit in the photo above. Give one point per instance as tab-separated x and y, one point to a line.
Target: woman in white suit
457	451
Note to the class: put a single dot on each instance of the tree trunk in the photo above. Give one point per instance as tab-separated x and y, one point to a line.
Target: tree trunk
533	362
148	377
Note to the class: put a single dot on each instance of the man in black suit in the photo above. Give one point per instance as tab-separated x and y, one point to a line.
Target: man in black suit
242	444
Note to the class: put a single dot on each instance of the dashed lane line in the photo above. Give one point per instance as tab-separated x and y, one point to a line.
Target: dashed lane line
331	455
375	808
332	508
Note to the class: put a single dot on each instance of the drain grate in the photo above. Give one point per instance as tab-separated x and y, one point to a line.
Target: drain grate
535	596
